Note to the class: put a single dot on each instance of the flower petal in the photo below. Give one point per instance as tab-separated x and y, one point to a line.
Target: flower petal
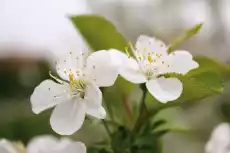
68	117
219	141
6	147
117	56
48	94
181	62
102	69
93	100
130	70
98	112
42	144
93	96
68	146
70	63
50	144
165	89
146	45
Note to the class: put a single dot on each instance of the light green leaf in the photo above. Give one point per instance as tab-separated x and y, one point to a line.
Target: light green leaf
195	87
99	32
186	35
173	121
208	64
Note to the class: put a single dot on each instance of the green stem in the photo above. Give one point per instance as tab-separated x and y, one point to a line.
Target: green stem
107	128
143	109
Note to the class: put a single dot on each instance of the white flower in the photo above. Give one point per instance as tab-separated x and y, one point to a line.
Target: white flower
38	27
79	94
44	144
151	61
219	141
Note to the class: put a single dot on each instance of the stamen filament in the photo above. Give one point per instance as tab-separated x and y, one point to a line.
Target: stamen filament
56	78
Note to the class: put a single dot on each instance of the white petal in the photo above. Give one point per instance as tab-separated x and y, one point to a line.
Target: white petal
68	117
219	141
146	45
130	70
93	100
102	69
68	146
50	144
93	96
117	57
71	62
6	147
41	144
48	94
181	62
165	89
98	112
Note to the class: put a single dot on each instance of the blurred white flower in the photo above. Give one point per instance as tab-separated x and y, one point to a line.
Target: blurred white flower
34	28
150	62
44	144
219	141
79	94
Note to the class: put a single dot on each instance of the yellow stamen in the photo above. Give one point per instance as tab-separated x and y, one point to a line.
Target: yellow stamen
71	77
55	78
127	52
150	59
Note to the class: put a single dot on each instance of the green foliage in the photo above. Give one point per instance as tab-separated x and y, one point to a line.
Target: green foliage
208	64
99	32
186	35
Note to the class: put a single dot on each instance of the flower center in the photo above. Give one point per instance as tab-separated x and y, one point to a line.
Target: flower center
152	63
77	87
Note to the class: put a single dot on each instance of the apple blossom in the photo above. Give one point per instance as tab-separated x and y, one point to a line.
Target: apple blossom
79	93
149	64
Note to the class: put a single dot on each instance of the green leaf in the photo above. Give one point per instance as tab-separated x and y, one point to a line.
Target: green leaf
188	34
172	120
99	32
208	64
195	87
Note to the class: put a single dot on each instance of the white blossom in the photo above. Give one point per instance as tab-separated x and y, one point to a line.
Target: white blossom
79	93
43	144
219	141
149	64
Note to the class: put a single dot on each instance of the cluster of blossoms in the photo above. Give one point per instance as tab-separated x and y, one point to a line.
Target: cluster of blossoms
43	144
76	93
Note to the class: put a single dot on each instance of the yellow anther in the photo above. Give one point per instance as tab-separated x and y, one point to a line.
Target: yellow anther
71	77
150	59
